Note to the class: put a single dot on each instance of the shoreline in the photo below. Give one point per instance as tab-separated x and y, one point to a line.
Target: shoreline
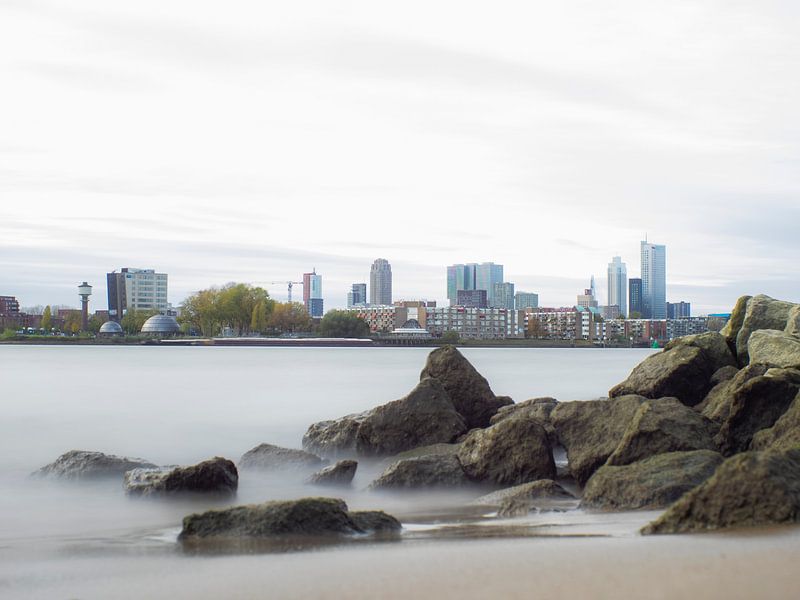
311	343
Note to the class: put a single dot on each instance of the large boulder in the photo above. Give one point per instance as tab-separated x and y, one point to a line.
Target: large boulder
682	370
274	458
334	438
591	430
793	321
84	464
717	403
511	452
654	482
427	471
341	473
307	517
762	312
731	329
752	488
217	476
660	426
757	405
468	390
535	408
784	435
774	348
426	416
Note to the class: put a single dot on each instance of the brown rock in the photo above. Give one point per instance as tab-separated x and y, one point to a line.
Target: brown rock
468	390
511	452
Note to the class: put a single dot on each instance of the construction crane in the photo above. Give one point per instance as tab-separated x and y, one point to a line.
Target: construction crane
288	283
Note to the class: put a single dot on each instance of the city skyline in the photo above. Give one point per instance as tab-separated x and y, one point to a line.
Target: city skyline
141	161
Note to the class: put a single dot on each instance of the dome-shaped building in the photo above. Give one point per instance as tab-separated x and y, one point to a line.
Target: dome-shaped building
110	329
161	325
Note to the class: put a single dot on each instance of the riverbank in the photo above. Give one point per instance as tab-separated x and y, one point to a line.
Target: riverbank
300	342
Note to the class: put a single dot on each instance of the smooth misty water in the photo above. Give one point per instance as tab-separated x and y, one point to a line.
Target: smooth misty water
181	405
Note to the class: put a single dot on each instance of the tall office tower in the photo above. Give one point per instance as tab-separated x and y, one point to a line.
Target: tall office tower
618	285
503	295
312	293
459	277
357	296
486	276
523	300
137	289
654	281
473	276
634	296
592	287
380	283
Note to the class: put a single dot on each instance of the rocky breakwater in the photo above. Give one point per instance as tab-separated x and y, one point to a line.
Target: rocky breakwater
735	461
451	398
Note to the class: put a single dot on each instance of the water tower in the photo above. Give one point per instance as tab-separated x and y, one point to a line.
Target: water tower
84	291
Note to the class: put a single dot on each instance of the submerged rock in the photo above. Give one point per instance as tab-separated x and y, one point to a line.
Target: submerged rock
752	488
468	390
269	457
425	416
341	473
307	516
519	500
513	451
774	348
217	475
591	430
663	425
427	471
682	370
757	405
655	482
84	464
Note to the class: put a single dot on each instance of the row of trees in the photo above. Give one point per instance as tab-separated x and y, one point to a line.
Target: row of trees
245	309
249	310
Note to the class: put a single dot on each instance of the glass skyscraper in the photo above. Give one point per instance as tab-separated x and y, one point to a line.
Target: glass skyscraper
654	281
473	276
618	285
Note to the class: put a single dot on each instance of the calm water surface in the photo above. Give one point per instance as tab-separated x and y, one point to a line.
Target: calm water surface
182	405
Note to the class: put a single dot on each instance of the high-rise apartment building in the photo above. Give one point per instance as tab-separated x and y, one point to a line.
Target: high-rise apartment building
618	285
472	299
473	276
679	310
136	289
312	293
504	295
357	296
523	300
380	283
635	297
654	280
9	306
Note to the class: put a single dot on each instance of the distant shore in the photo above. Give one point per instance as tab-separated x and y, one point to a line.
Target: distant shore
304	342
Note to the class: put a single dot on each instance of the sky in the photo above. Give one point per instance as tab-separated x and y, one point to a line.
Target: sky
252	141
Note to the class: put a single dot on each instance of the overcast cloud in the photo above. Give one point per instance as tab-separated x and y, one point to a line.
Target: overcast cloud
253	141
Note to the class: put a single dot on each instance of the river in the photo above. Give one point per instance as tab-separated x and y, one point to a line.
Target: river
180	405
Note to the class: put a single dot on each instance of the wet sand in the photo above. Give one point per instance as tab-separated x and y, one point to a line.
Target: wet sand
733	565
